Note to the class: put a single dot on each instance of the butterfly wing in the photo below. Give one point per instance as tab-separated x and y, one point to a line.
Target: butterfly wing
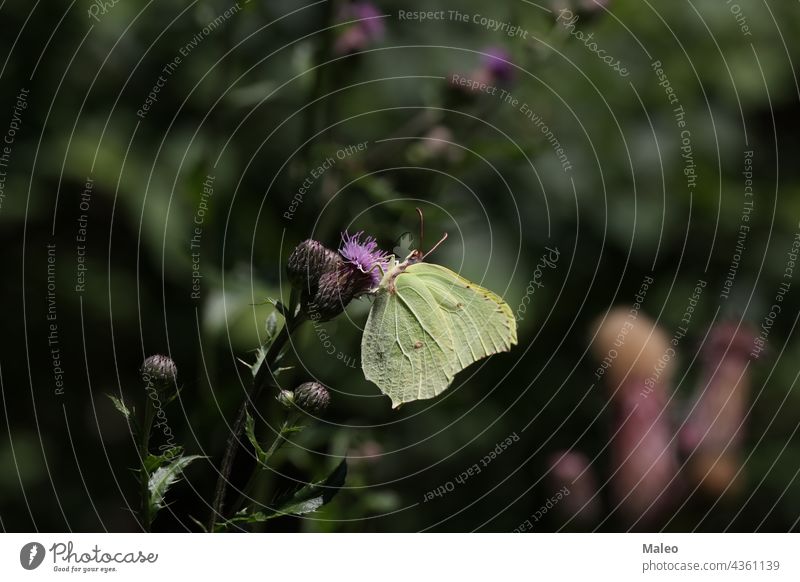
481	323
407	347
432	325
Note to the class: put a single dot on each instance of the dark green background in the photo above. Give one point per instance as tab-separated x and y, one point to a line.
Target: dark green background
251	95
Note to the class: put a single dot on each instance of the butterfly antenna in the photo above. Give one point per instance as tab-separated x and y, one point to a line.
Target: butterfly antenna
421	227
436	246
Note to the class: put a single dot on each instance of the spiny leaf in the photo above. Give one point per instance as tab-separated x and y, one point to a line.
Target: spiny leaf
163	478
272	325
119	405
250	431
304	507
261	353
304	500
314	495
281	370
153	462
244	517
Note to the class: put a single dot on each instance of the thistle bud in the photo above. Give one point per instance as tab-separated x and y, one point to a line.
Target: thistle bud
160	372
308	261
312	397
336	289
286	398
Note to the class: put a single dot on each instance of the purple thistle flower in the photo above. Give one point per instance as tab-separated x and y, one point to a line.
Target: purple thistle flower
497	62
364	254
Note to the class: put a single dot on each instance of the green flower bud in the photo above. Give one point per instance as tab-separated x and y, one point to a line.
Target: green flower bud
312	397
286	398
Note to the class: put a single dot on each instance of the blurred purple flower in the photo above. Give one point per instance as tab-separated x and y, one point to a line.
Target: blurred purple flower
572	469
367	29
497	63
364	254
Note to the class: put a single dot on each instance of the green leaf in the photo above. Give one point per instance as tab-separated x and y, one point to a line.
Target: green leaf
153	462
261	353
314	495
250	431
281	369
120	405
163	478
304	500
244	517
272	325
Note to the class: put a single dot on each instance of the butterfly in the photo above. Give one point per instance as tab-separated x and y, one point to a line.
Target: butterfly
428	323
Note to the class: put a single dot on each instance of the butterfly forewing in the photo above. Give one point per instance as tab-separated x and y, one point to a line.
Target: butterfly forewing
482	323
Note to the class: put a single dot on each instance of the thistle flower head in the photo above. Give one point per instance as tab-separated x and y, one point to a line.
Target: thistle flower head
365	255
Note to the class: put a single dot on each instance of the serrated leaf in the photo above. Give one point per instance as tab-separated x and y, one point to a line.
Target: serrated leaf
271	325
280	370
304	507
244	517
153	462
261	353
119	405
163	478
304	500
250	431
314	495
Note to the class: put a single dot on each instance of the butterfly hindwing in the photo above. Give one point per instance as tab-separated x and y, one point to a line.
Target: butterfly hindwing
429	326
407	348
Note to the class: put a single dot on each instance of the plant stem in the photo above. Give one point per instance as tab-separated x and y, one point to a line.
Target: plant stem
261	380
280	439
144	475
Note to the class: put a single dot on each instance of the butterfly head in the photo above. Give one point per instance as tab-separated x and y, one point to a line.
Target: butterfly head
414	256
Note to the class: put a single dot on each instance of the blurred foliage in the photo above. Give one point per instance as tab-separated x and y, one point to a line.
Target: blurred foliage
258	103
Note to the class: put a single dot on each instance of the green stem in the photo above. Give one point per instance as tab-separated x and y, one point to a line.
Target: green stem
263	378
144	475
280	439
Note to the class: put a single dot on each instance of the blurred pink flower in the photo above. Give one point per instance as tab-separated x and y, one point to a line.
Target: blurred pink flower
713	431
643	455
366	29
571	469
